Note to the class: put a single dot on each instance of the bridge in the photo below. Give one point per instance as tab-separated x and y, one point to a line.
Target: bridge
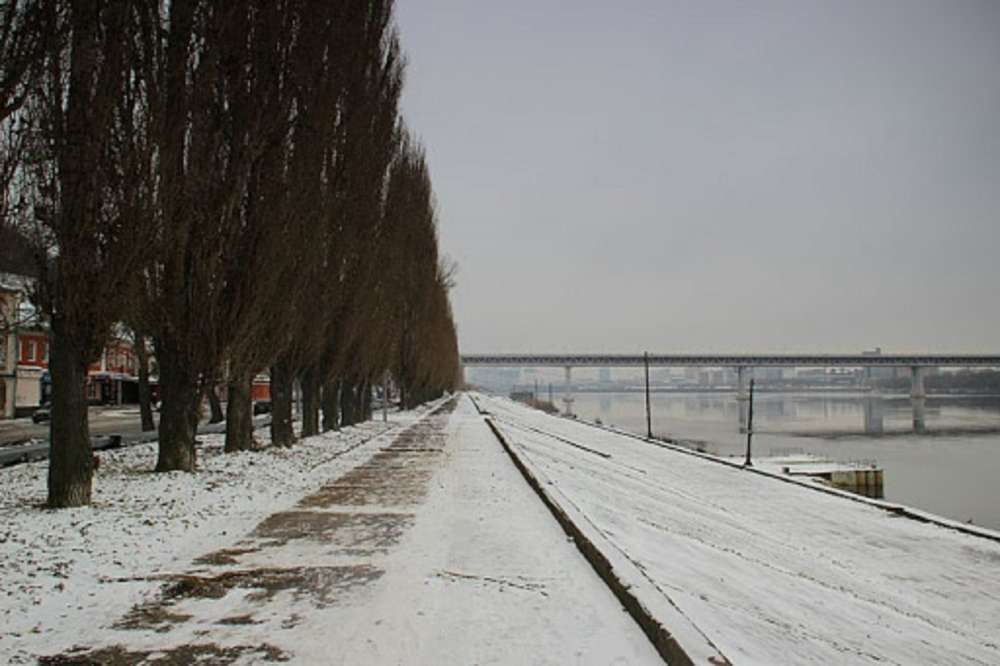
733	360
744	364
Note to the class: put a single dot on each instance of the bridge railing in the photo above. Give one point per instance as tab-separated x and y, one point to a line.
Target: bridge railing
735	360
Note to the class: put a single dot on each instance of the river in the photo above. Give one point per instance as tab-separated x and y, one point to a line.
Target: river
941	455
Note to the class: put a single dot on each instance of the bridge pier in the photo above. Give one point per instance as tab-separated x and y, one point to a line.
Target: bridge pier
919	415
743	377
568	390
917	390
868	383
874	422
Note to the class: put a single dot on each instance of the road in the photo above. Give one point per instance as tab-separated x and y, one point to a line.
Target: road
23	441
118	420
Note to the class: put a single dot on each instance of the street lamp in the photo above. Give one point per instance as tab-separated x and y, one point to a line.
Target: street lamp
747	463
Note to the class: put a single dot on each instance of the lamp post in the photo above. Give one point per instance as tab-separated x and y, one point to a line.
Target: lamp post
649	416
747	463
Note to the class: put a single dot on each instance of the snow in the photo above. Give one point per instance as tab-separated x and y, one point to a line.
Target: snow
422	544
55	563
768	571
484	576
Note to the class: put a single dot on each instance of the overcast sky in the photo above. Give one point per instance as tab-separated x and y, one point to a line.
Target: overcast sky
714	176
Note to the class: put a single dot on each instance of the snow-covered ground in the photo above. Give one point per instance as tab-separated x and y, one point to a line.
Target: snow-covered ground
420	542
485	576
422	545
56	566
769	572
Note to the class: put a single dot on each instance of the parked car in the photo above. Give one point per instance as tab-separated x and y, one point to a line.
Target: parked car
262	407
43	413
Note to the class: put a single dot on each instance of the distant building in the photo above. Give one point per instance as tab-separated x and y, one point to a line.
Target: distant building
24	358
15	377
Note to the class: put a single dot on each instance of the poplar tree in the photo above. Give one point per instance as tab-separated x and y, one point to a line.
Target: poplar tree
87	169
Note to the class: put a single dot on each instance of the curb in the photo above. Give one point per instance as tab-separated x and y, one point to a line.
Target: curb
666	643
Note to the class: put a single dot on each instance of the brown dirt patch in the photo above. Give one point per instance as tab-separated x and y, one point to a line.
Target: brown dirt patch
324	585
208	654
398	475
373	484
352	533
155	616
224	556
238	620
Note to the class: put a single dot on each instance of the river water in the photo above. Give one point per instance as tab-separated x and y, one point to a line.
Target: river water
941	455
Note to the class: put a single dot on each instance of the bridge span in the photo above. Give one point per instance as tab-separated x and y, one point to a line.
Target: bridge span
733	360
744	363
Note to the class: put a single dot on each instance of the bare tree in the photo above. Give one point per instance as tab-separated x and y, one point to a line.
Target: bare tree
87	115
426	343
27	31
214	125
266	255
233	181
370	118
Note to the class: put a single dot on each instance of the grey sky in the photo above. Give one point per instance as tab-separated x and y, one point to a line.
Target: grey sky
699	176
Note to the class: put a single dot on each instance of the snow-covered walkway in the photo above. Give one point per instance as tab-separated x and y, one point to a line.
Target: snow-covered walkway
423	546
765	572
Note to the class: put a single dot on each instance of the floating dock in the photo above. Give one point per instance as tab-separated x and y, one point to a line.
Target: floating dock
864	478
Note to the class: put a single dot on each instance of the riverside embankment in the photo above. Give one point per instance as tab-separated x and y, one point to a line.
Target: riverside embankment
763	570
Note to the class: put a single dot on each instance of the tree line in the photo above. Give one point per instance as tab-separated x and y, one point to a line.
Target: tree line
233	181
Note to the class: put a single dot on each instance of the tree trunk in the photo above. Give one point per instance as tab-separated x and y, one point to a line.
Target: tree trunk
366	400
331	409
282	379
310	402
215	405
239	414
71	461
346	403
178	418
402	384
145	397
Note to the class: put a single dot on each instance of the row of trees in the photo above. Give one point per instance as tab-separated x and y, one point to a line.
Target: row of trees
233	180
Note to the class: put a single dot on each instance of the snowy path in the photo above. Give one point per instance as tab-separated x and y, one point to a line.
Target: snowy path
431	549
768	571
486	576
68	575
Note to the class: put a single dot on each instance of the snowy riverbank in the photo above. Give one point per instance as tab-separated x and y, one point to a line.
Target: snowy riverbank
768	571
